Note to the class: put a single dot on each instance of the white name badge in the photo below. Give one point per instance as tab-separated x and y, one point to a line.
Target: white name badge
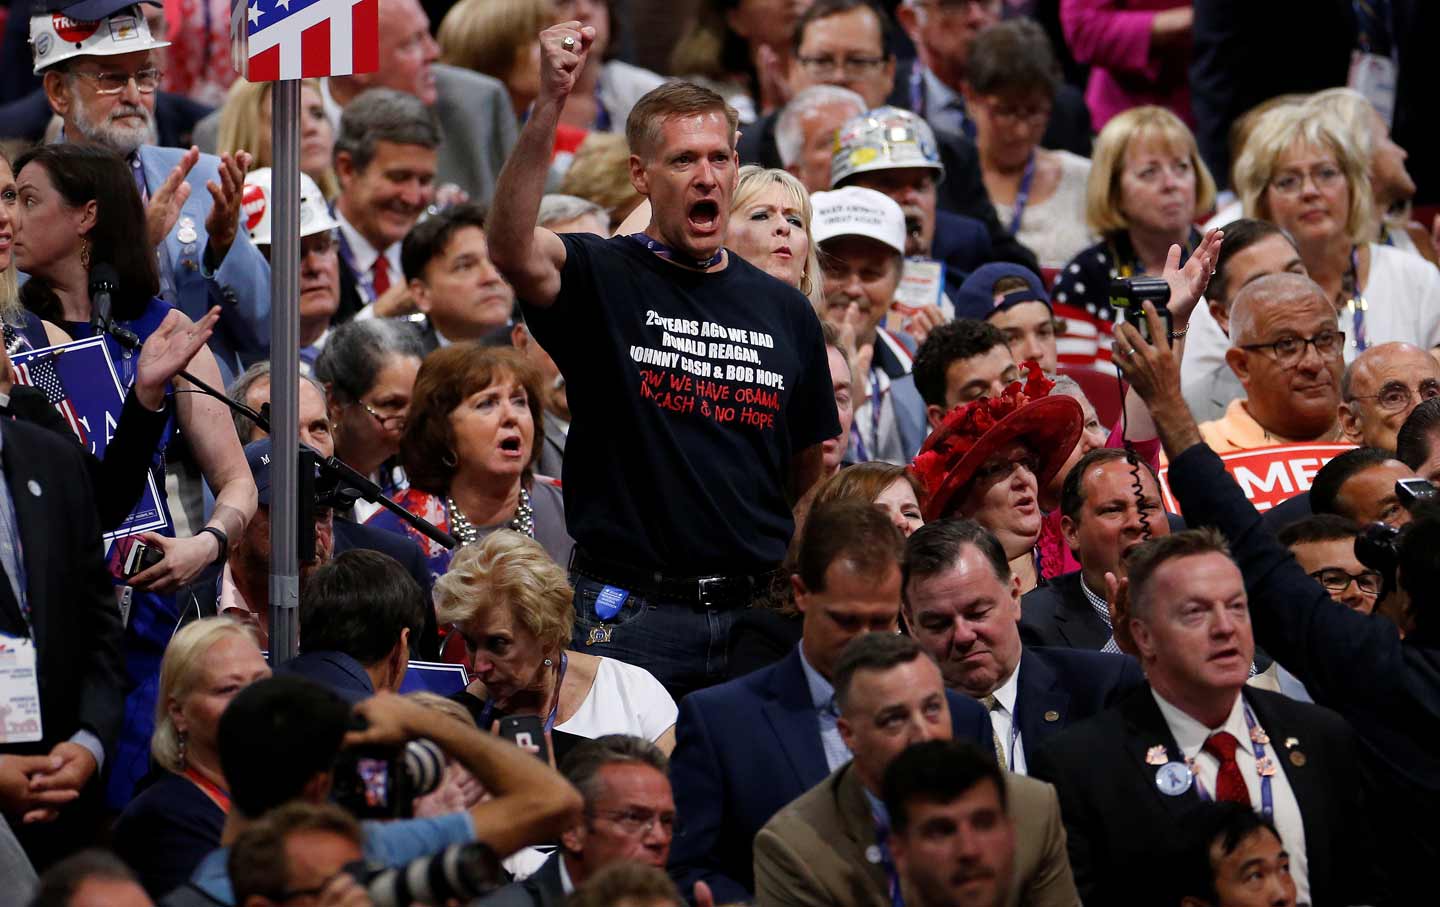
19	692
1374	76
922	283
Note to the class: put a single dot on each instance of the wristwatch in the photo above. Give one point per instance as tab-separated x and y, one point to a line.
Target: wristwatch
224	541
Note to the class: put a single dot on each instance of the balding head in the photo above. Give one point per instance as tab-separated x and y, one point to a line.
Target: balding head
1268	306
1381	388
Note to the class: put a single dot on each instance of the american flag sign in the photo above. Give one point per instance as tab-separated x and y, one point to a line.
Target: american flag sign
303	39
40	372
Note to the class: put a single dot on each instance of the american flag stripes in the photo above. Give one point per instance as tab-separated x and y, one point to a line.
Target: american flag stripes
41	372
295	39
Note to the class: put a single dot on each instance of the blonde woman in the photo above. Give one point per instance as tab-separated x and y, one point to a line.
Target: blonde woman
1305	172
176	820
513	606
1146	188
245	125
498	38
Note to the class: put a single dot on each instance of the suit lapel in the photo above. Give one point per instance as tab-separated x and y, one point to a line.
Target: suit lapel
31	519
1145	729
1037	698
1308	781
792	717
858	822
1075	621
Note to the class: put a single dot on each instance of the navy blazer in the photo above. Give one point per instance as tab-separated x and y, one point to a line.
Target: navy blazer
961	244
743	751
1061	687
1356	664
336	671
1058	614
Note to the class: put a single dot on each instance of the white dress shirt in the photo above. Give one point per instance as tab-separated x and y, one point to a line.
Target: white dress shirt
1002	719
363	256
1190	735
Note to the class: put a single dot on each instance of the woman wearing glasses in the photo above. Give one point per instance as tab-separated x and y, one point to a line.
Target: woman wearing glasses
1147	186
1301	170
368	368
472	437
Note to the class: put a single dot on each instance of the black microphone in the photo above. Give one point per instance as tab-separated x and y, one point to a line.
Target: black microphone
104	281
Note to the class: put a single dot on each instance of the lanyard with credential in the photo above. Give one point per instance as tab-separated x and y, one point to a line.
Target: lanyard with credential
1263	766
1022	197
887	862
485	713
209	789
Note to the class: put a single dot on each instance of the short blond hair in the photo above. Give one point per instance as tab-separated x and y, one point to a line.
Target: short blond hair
600	172
754	179
1317	126
180	671
1138	124
487	35
241	129
511	570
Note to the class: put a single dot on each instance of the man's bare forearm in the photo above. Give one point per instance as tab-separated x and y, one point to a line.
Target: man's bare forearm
510	228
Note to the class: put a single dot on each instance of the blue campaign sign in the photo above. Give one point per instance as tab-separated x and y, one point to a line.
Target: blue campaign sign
434	677
80	381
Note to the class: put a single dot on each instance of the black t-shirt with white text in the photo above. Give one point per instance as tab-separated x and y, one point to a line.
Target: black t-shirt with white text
689	393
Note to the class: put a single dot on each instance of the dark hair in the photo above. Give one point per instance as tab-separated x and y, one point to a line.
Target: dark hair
60	882
1412	445
257	863
582	765
1143	561
1240	235
1319	527
1325	489
857	532
384	115
937	771
872	652
1072	492
276	735
446	378
1419	563
356	352
626	881
1225	823
824	9
429	238
84	173
1014	55
963	338
935	547
358	604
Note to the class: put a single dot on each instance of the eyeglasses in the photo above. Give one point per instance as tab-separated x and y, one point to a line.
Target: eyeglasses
393	422
114	82
851	67
1006	115
1290	350
1326	176
638	821
1394	396
991	472
1336	580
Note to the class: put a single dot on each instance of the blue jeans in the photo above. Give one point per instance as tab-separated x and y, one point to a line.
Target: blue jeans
682	645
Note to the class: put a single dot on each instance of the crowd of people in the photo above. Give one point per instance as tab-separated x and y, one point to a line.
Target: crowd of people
956	453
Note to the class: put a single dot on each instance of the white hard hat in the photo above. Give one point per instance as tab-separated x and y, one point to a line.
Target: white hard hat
59	35
887	138
854	211
256	205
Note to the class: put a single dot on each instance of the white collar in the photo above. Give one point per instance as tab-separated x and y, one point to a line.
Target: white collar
1009	691
1190	735
565	883
362	254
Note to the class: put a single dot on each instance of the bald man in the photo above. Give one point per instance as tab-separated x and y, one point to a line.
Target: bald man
1380	390
1287	350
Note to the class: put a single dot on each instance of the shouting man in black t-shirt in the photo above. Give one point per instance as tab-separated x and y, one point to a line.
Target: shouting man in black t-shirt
699	387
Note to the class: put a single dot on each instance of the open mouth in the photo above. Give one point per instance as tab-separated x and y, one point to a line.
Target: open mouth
705	215
913	226
1226	655
511	446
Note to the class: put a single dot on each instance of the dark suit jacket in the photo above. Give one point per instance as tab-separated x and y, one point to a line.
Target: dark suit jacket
1058	615
1126	837
333	670
175	117
743	750
1388	688
542	889
1070	684
962	244
76	622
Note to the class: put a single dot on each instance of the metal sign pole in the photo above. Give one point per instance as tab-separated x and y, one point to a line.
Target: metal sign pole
285	373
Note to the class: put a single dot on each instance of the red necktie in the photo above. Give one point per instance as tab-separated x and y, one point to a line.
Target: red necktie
1229	783
380	280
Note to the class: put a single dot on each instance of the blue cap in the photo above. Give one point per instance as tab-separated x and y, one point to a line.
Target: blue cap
976	296
258	455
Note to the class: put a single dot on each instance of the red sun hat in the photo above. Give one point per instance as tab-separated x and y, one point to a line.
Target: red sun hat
973	432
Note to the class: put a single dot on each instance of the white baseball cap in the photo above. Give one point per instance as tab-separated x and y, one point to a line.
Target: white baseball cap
256	206
854	211
59	35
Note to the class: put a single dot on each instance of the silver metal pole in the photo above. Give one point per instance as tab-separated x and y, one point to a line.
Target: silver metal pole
285	373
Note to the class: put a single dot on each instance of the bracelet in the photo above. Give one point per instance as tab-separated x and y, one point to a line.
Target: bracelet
220	537
1176	335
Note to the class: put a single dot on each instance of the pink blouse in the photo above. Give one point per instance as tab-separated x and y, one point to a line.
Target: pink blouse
1113	38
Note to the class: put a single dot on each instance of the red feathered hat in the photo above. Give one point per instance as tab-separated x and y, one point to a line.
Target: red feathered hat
971	433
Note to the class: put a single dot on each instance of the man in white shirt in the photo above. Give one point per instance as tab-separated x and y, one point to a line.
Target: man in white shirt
1131	778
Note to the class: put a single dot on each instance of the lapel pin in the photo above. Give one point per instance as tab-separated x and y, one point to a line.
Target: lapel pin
1265	767
1291	742
872	853
598	635
186	234
1258	735
1156	755
1052	715
34	487
1297	758
1173	779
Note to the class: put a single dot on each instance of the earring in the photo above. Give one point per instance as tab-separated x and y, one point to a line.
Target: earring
449	460
184	735
548	662
84	253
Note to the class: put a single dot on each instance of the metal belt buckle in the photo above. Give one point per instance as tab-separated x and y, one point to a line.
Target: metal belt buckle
705	583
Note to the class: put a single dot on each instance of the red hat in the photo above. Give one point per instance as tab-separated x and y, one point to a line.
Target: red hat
971	433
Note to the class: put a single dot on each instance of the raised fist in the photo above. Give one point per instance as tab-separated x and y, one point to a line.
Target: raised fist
563	51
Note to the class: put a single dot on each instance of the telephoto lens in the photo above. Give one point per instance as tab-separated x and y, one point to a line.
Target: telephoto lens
459	872
425	764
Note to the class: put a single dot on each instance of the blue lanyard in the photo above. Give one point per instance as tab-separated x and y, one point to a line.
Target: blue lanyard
364	281
485	713
602	116
1267	802
917	90
669	254
875	404
887	863
1022	198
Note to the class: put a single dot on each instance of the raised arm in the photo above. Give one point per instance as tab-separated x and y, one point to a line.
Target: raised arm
531	257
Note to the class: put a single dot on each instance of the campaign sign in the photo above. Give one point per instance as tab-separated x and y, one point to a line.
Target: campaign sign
1268	475
80	381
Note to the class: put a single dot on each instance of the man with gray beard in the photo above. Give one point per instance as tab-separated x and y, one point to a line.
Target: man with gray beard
100	71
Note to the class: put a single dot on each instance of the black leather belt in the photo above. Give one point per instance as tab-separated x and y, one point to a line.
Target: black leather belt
717	593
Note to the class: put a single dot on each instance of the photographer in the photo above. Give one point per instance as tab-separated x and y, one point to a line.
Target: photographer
299	850
1388	688
279	741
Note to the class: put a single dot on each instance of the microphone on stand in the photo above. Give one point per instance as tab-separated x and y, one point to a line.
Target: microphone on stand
104	281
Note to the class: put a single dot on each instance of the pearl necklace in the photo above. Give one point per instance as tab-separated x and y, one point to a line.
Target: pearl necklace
467	532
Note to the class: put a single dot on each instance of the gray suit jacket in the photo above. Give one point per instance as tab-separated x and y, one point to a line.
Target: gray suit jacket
552	455
814	852
543	889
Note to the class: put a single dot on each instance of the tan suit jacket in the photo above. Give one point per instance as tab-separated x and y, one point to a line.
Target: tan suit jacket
815	852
